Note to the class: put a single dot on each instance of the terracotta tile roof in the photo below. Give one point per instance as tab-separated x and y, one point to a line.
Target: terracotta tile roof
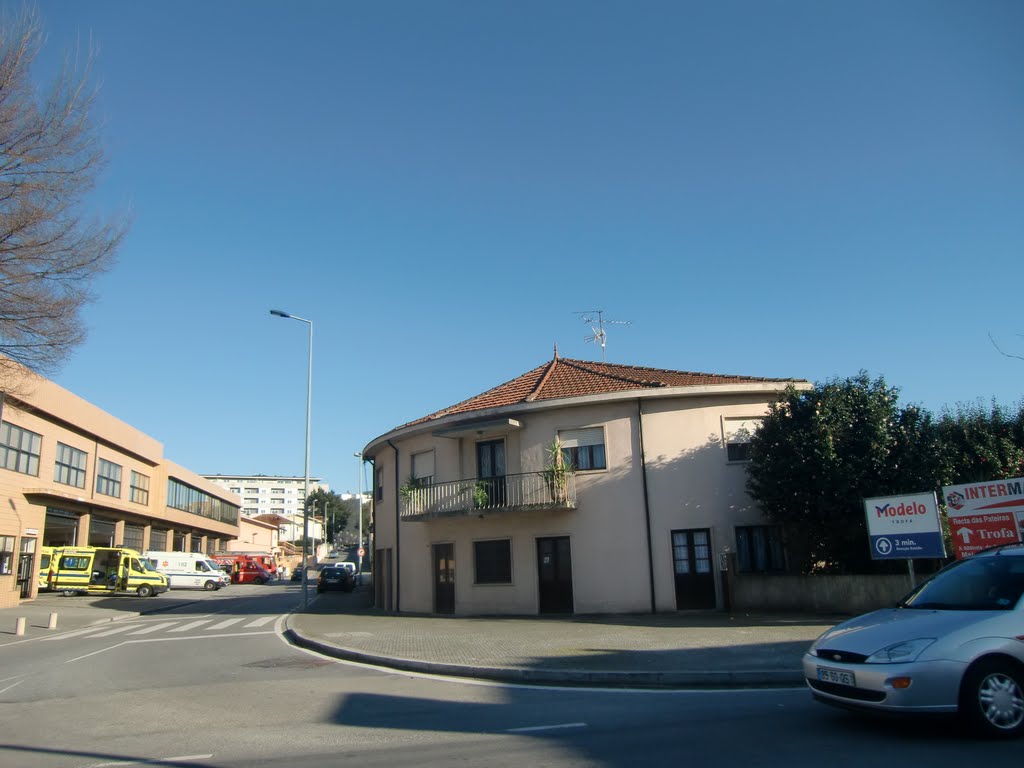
564	377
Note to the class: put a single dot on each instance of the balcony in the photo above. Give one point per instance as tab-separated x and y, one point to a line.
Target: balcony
479	495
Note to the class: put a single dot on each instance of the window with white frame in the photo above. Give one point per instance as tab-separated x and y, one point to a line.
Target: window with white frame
423	467
738	433
19	449
6	555
583	449
69	467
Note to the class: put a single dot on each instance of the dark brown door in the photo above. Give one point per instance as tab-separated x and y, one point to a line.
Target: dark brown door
695	578
444	578
554	574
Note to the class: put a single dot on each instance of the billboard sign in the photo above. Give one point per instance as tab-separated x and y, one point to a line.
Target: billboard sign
982	515
904	527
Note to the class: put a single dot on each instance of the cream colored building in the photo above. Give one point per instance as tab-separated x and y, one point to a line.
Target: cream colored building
277	498
72	474
467	520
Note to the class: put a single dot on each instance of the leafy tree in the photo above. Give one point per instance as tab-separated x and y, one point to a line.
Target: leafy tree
335	510
980	443
50	157
820	452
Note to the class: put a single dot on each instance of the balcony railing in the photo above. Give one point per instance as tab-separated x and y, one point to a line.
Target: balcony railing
531	490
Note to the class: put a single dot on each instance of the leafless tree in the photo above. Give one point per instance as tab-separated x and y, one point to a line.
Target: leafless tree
1000	351
51	249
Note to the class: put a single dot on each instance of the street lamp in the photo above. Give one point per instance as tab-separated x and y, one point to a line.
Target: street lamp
359	512
305	498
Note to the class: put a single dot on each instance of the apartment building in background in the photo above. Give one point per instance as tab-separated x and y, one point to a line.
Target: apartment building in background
276	499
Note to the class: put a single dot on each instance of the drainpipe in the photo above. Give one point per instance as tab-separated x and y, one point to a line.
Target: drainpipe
647	503
398	534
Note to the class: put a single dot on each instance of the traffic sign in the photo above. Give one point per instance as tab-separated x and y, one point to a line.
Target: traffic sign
362	551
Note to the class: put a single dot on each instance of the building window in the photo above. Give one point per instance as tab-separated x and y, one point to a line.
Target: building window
423	468
379	479
6	555
583	449
759	549
108	478
158	539
139	491
277	490
133	537
236	490
19	449
69	468
492	561
252	490
737	437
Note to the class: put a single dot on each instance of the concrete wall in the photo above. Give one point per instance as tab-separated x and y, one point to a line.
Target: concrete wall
818	594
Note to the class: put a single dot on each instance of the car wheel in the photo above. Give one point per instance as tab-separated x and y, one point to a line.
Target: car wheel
258	580
210	586
992	699
145	590
69	592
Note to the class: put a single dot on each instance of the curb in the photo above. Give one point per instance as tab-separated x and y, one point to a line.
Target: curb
682	680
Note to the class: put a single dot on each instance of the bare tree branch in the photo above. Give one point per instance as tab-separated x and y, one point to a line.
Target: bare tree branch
1001	352
51	251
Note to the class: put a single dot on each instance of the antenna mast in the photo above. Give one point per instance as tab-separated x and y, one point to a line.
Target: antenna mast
595	319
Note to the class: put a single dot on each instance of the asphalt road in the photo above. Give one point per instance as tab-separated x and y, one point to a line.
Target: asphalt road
213	684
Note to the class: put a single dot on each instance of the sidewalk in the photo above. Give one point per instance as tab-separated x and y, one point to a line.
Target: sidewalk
669	650
672	650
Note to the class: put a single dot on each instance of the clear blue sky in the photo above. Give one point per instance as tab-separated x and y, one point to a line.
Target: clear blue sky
786	189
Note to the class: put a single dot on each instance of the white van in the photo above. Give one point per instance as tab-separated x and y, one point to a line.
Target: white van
187	570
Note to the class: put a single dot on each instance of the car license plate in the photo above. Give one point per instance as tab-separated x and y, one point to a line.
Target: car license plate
838	676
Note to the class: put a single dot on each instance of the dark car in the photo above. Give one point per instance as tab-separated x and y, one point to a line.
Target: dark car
335	577
298	573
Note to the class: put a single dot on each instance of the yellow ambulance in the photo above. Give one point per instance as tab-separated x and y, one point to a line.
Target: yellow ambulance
102	570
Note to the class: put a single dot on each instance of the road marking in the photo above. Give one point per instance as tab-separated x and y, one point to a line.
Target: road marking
5	690
261	621
153	761
535	728
170	640
114	631
225	623
153	628
190	625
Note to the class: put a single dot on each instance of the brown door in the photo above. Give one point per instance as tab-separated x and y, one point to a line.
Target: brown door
695	578
444	578
554	575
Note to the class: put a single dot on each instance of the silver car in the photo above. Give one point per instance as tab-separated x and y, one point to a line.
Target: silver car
954	645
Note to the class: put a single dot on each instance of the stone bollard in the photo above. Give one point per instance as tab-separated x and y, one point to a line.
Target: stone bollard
53	621
19	626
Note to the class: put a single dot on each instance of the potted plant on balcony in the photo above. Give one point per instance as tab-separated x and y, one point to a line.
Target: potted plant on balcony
557	471
408	489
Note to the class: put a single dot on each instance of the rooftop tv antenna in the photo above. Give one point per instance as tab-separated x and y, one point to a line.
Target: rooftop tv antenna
595	319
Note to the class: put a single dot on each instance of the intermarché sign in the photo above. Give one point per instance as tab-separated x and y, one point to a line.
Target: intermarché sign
982	515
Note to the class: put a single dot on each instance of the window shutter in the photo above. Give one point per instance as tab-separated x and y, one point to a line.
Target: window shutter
423	464
577	438
740	430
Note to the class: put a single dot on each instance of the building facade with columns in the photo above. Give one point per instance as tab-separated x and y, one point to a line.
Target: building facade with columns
73	475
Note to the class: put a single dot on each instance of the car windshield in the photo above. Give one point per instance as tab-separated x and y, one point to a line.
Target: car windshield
989	583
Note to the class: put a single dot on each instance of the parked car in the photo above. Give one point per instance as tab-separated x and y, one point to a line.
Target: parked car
954	645
298	573
335	577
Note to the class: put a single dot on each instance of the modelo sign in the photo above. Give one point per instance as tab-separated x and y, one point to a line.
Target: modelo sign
982	515
904	527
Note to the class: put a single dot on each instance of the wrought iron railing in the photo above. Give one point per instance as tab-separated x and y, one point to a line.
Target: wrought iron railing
530	490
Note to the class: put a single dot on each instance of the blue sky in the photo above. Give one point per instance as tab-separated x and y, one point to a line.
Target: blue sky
784	189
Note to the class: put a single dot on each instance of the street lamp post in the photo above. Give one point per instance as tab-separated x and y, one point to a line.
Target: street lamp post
359	512
305	498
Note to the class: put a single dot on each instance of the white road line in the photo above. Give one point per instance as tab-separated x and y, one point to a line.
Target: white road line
190	625
534	728
153	628
75	633
225	623
114	631
260	622
5	690
153	761
170	640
